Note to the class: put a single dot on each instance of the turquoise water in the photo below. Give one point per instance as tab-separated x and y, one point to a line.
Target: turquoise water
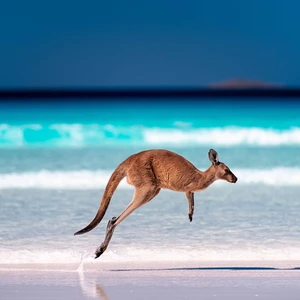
56	158
149	123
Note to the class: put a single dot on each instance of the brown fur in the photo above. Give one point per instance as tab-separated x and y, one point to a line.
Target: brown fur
149	172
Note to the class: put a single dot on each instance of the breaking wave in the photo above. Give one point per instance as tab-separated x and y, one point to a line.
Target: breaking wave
84	135
87	179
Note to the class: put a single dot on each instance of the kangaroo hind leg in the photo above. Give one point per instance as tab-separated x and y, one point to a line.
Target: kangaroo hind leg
142	195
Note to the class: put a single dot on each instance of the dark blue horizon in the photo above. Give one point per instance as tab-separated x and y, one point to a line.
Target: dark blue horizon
157	43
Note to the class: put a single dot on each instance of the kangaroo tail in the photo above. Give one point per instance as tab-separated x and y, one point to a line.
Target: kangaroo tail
111	186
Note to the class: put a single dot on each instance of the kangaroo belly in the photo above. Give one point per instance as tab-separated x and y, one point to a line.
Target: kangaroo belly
174	184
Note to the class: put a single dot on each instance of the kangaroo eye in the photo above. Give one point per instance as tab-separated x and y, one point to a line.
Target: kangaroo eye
226	171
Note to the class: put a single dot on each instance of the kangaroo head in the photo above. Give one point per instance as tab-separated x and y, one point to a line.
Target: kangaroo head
220	169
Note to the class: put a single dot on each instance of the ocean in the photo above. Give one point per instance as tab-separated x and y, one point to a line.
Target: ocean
56	158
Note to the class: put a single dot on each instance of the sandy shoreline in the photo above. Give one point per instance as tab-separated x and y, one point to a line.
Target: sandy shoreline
149	280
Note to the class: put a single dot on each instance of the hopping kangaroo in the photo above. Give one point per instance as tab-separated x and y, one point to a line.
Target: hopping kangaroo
149	172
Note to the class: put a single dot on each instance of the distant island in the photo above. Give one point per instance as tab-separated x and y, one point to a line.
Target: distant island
244	83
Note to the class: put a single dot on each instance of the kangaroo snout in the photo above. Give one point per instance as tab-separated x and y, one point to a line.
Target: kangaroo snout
234	179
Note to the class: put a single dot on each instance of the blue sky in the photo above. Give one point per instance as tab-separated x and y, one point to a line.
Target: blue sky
148	43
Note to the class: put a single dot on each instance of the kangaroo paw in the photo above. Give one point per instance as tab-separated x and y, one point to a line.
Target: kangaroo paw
191	217
99	251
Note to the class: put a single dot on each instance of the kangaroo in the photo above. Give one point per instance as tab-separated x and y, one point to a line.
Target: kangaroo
150	171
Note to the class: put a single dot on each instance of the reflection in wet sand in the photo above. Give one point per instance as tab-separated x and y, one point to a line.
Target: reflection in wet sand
100	292
90	288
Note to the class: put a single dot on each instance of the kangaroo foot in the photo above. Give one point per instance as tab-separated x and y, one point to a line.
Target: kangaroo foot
109	232
99	251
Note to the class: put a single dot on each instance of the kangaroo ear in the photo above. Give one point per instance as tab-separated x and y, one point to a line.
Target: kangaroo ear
213	156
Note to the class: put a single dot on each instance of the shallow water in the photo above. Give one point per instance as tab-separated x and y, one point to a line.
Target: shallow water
55	161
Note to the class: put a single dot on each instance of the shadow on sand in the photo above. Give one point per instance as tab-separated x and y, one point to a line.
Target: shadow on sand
209	269
92	289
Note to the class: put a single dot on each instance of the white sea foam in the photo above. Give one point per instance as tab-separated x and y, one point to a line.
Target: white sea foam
87	179
162	253
83	179
227	136
182	134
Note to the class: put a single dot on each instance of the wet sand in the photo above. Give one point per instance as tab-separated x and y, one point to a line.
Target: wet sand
130	280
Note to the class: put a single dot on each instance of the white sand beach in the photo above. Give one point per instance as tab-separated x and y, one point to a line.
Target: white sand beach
188	280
